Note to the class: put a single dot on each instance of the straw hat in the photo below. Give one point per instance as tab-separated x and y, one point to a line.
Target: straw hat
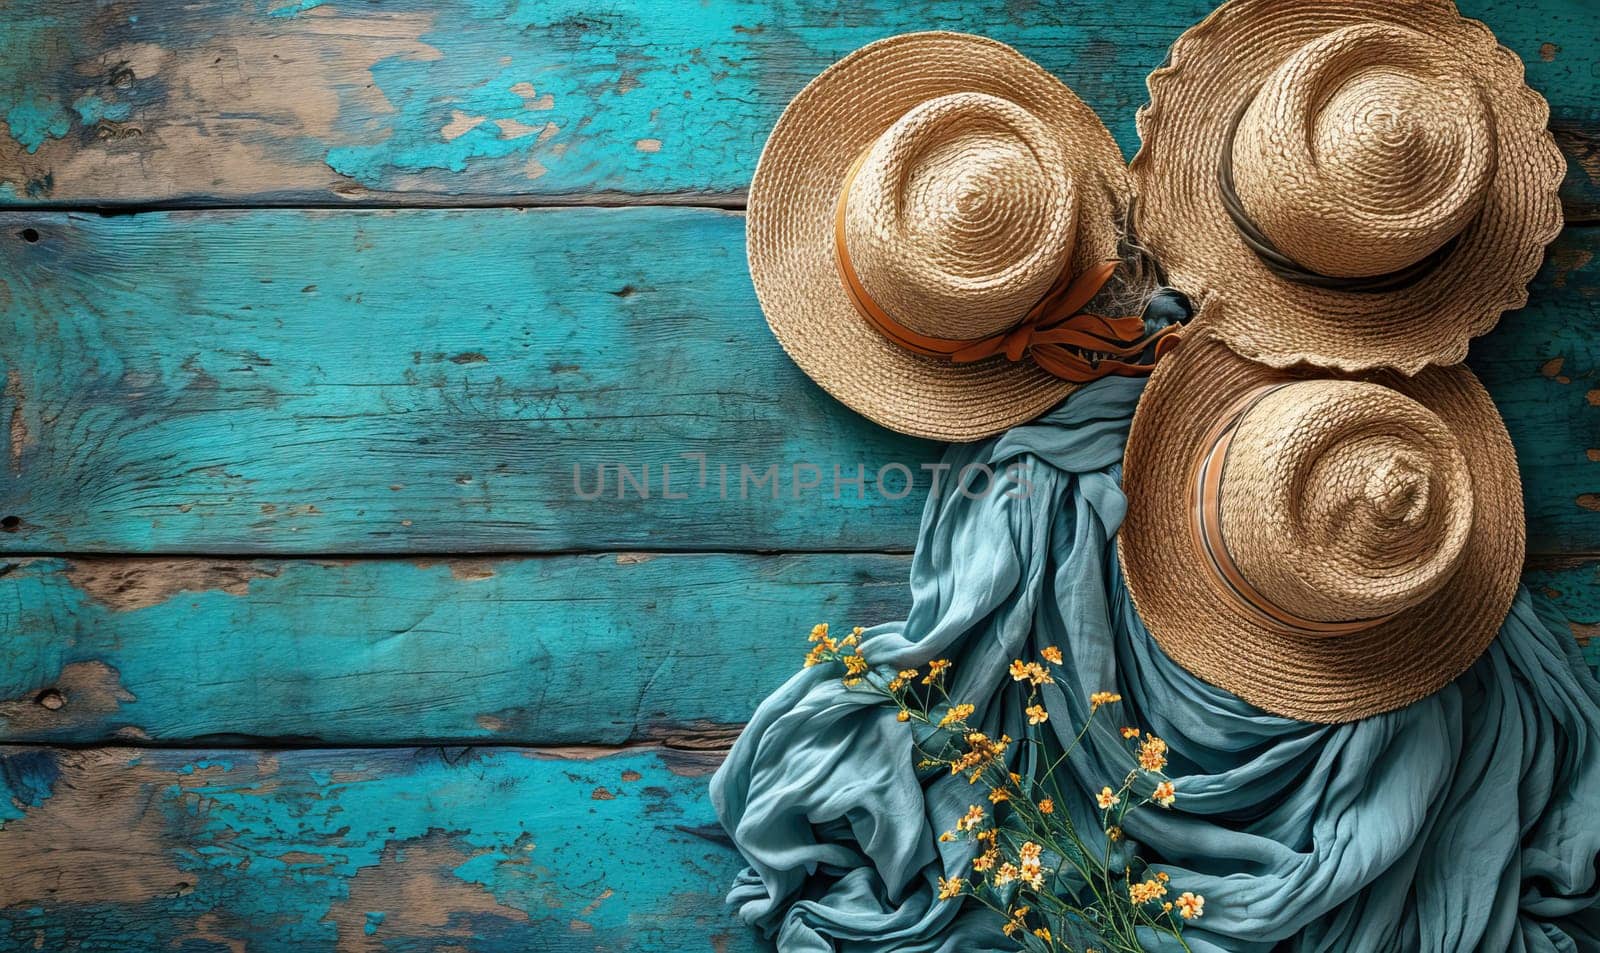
1325	548
1393	180
926	219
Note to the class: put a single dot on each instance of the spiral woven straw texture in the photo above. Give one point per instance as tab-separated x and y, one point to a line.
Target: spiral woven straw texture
1372	133
952	223
1352	497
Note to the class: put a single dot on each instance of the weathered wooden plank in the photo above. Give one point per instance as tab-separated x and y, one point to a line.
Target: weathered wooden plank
426	381
319	382
500	651
606	649
492	850
1573	586
294	101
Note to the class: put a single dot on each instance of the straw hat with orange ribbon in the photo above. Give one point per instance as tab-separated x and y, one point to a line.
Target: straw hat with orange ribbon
927	223
1326	548
1355	184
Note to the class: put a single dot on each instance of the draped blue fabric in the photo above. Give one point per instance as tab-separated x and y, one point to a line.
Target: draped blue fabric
1469	821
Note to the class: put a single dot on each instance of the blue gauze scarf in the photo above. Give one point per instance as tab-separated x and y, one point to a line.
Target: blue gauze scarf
1468	821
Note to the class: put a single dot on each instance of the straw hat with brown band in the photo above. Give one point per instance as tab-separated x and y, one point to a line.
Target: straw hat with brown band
928	223
1356	184
1327	548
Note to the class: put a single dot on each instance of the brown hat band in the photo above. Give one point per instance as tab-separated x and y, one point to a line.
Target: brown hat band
1224	574
1287	268
1056	334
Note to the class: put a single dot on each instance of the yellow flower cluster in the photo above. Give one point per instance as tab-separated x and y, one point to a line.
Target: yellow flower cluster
1029	672
955	714
1010	835
1103	698
1147	890
982	751
1152	753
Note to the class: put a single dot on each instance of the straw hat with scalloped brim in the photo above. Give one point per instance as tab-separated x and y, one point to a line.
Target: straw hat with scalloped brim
1326	548
1386	146
970	177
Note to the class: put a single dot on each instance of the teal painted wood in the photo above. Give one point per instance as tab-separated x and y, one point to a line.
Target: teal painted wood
393	651
489	850
290	101
426	381
317	382
1573	586
508	651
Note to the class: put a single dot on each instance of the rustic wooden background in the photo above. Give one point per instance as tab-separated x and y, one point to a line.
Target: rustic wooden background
307	310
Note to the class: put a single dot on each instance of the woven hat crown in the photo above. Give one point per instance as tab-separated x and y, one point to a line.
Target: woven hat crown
1367	150
1344	500
961	215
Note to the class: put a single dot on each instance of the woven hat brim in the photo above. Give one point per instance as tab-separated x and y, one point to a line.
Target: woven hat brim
789	230
1214	68
1329	679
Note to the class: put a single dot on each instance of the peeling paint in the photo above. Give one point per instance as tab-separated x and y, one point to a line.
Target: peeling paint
126	585
19	421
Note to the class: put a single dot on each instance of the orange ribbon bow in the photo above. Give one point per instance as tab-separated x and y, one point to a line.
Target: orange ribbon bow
1074	346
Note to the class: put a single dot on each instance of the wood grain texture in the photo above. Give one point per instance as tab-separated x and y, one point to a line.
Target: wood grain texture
501	651
310	382
339	382
513	101
491	850
175	651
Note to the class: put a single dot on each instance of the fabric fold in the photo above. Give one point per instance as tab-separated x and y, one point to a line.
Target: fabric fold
1469	821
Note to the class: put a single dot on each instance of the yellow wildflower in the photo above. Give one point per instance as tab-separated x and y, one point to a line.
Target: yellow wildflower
1147	891
947	837
851	681
1032	874
903	715
1029	672
1047	806
950	888
1108	799
996	795
989	836
1191	905
819	632
1113	833
985	860
1051	654
954	714
1042	933
1006	874
1164	794
973	818
855	664
982	752
901	679
1130	733
1103	698
1037	715
1152	753
1030	851
935	669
